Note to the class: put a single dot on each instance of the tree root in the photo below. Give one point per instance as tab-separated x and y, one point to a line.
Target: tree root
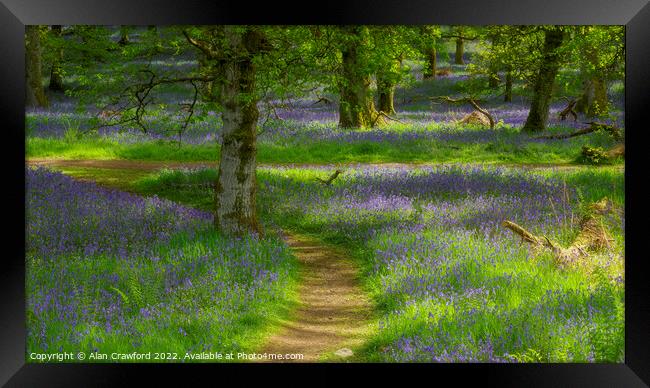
592	236
381	114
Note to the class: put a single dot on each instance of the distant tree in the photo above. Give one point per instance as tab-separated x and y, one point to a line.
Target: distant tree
544	79
35	93
599	54
356	105
56	71
429	45
460	34
390	46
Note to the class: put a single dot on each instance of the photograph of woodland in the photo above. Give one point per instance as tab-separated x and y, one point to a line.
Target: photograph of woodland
362	193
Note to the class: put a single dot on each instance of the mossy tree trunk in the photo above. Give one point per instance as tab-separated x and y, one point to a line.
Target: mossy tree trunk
235	189
386	81
432	63
56	72
544	81
460	50
356	108
34	93
386	91
593	102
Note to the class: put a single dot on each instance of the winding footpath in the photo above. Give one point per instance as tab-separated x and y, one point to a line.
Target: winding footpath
334	313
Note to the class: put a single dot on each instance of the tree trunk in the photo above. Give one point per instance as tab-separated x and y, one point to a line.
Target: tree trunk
460	49
544	81
35	93
56	73
356	108
386	82
235	189
386	97
593	101
507	96
432	64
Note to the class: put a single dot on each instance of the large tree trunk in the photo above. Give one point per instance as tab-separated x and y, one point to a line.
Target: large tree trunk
507	96
432	64
356	108
386	91
35	93
543	87
386	82
460	49
56	73
235	190
593	101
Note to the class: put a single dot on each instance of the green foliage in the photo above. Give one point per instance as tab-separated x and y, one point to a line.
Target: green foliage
594	155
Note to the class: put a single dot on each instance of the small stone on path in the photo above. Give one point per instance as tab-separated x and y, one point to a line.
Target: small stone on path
344	352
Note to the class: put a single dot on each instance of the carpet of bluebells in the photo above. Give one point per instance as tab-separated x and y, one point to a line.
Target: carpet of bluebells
452	285
109	271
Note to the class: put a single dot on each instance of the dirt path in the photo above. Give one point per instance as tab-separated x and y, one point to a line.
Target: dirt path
145	165
334	315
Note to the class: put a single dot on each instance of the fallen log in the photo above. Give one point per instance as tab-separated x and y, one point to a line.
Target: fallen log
592	236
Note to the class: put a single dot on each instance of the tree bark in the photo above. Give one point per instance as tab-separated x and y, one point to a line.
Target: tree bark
507	96
386	82
235	189
544	81
56	73
356	108
593	101
35	93
432	64
460	49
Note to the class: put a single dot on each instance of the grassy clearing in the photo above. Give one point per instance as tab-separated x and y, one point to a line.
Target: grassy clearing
506	148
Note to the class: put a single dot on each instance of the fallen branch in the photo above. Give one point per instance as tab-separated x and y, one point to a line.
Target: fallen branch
569	110
593	127
592	236
324	100
329	180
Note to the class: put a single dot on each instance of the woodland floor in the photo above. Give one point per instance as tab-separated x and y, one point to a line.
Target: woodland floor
334	317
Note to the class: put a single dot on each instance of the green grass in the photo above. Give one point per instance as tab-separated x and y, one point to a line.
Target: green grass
563	152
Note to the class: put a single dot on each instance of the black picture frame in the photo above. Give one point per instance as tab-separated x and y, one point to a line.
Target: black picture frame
15	14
